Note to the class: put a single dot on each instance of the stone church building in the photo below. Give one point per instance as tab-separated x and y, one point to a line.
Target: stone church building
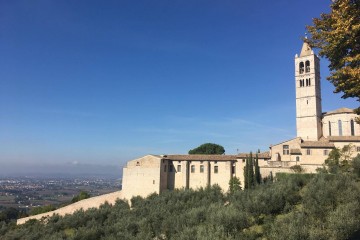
317	134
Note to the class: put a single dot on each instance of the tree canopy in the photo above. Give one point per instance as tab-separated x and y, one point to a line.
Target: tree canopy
81	196
337	35
208	148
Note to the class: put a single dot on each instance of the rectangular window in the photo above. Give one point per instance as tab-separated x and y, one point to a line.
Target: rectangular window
170	168
192	168
233	169
352	127
308	151
165	167
216	169
201	168
286	150
340	127
179	168
326	152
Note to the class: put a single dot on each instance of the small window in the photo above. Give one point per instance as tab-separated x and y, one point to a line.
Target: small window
329	128
179	168
297	158
170	168
352	127
308	151
286	150
243	160
137	163
192	168
340	127
201	168
309	81
165	168
215	162
216	169
326	152
358	149
233	169
153	181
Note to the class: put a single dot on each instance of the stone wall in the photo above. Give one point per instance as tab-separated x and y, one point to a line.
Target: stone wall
85	204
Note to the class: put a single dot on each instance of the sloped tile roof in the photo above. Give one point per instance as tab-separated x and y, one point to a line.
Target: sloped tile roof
317	144
338	111
263	155
344	138
295	151
201	157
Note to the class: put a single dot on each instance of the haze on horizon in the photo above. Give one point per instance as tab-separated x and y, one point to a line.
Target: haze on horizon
100	83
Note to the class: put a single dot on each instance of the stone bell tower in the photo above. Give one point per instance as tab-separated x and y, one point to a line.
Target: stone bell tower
308	94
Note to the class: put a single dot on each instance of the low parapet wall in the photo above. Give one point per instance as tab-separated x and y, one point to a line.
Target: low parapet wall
85	204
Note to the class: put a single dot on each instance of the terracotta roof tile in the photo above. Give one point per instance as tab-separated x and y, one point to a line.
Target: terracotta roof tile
201	157
344	138
338	111
295	151
317	144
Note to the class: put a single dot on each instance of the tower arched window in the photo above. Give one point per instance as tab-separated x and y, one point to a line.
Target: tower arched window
329	128
307	66
301	67
352	127
340	127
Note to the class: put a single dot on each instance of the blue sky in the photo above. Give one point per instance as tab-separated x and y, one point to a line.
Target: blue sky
103	82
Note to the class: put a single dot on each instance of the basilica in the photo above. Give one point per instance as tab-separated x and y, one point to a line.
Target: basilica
317	134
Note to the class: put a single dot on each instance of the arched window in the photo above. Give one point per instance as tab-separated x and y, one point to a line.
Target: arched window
301	68
340	127
352	127
309	82
329	128
307	66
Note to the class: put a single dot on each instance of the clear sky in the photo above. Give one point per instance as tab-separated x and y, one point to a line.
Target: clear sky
103	82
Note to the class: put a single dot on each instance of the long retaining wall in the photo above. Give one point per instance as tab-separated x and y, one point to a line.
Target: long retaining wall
85	204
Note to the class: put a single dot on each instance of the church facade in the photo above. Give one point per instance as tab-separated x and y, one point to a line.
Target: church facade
317	134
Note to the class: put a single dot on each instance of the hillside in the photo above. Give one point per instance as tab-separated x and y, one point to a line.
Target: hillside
297	206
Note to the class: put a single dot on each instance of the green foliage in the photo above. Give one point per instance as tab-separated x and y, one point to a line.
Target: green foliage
336	34
249	177
339	159
81	196
208	148
356	165
234	185
257	170
297	169
296	206
42	209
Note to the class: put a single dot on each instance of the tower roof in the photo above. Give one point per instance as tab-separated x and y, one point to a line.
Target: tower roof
306	49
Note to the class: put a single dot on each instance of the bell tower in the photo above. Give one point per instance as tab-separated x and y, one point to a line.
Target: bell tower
308	94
